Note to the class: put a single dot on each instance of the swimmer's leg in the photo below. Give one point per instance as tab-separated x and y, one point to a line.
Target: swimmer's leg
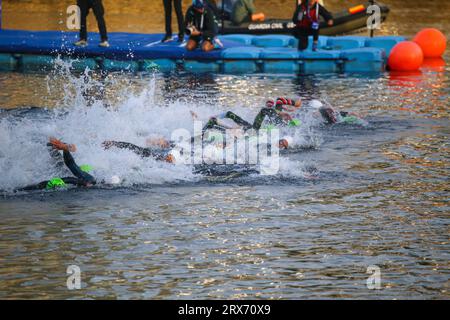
265	112
40	186
126	145
238	120
158	154
213	124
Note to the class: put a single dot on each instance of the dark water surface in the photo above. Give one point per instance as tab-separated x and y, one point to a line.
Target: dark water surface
375	195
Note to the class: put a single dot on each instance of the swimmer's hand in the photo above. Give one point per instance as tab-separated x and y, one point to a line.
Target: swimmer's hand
59	145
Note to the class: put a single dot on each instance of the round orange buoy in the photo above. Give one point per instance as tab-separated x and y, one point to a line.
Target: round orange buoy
405	56
432	42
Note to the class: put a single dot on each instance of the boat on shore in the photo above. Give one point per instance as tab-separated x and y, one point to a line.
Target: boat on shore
345	22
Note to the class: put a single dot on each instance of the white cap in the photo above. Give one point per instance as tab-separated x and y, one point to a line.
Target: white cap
315	104
289	140
114	180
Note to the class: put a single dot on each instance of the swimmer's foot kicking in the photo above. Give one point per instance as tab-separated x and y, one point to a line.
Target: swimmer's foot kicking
81	176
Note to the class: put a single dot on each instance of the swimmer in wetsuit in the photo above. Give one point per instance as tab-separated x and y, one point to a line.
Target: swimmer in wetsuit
161	152
279	114
81	176
332	116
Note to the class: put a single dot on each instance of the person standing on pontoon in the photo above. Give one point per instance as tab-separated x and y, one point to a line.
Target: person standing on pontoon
99	12
306	19
168	16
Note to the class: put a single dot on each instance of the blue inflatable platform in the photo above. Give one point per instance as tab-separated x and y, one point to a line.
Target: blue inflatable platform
36	51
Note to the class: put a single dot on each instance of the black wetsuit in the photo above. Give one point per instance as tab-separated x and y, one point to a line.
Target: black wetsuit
159	154
99	12
273	114
168	16
81	178
203	22
204	169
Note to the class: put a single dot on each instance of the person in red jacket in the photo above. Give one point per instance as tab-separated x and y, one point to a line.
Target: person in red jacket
306	19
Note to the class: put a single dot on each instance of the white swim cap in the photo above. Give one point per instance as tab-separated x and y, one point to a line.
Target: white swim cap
289	140
114	180
315	104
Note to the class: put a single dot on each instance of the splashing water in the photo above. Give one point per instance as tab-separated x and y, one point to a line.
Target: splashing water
86	118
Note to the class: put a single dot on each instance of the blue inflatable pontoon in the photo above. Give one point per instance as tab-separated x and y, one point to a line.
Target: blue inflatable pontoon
36	50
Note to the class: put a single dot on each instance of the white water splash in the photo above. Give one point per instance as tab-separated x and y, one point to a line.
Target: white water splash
132	117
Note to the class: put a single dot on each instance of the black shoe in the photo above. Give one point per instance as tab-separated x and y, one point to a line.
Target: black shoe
180	37
166	38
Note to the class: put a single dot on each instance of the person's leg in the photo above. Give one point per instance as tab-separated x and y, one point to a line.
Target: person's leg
84	10
99	11
269	112
238	120
211	124
315	34
180	18
302	39
168	16
40	186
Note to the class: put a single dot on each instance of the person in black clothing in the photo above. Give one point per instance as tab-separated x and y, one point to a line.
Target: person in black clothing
306	19
99	12
200	26
160	153
278	113
82	177
168	13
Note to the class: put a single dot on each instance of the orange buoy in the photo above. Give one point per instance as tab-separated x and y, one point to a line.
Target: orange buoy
405	56
432	42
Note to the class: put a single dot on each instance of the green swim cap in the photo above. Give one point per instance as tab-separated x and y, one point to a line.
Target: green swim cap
55	183
86	168
350	119
294	123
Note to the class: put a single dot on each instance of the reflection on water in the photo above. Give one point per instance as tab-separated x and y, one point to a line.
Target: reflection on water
380	196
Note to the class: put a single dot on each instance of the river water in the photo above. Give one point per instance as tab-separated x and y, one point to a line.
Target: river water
347	197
